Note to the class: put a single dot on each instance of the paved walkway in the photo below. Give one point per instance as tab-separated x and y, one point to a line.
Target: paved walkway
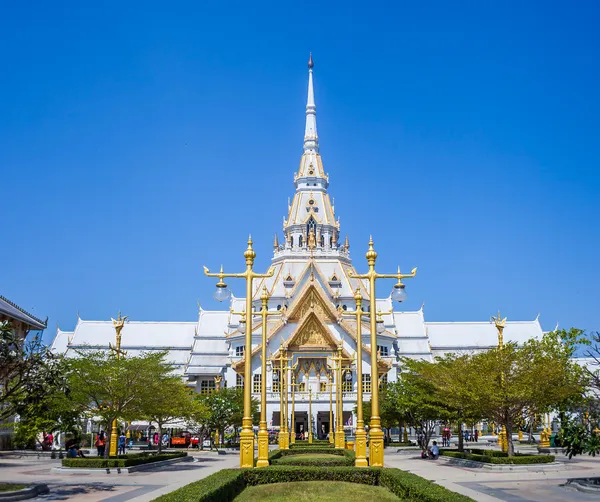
139	487
489	486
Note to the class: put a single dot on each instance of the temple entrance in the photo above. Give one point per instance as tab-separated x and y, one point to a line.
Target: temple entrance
301	424
323	425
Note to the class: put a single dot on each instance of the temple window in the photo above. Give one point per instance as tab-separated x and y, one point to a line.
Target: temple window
276	385
366	382
239	381
383	351
257	383
239	351
347	381
207	386
323	386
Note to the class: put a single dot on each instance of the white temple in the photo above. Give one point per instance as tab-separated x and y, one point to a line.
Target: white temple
312	293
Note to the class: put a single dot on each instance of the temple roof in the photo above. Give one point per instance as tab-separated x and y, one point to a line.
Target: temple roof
13	311
467	335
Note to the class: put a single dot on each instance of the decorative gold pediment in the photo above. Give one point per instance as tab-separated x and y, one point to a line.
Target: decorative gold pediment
312	301
312	335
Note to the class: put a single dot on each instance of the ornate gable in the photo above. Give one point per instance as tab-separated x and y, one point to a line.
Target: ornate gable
312	300
311	335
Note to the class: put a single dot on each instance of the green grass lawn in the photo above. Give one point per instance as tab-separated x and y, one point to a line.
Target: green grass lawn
316	491
11	487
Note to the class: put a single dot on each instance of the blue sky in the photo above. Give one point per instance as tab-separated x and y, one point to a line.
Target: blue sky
142	140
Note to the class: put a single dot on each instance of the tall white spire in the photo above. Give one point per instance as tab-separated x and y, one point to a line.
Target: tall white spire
311	139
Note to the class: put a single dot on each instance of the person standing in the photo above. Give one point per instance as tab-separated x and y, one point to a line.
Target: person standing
476	435
100	443
122	441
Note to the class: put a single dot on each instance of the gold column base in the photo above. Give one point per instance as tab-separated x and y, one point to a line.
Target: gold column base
286	440
263	449
247	449
340	439
293	437
331	437
360	447
502	439
520	435
376	448
112	449
310	438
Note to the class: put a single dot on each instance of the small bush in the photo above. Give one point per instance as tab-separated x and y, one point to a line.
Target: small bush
409	486
489	458
311	451
221	486
288	474
315	444
347	458
101	463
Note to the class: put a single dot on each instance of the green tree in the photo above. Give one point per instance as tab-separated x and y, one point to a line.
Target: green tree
535	378
114	388
29	372
167	401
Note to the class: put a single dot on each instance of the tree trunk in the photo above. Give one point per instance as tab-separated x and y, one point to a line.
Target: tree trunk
531	440
159	437
509	439
461	443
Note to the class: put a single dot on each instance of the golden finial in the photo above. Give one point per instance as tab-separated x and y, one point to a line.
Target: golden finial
249	254
275	242
347	243
371	253
357	296
265	296
498	321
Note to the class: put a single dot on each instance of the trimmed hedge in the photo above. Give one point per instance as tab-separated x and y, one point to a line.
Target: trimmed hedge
221	486
346	458
225	485
520	458
101	463
315	444
407	486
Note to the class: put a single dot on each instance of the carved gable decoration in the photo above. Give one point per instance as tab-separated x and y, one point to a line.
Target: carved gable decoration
312	335
312	302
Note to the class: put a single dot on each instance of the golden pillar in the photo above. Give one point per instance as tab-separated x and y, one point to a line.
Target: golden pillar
284	442
263	433
293	422
500	323
310	421
118	324
361	435
247	434
218	380
339	428
375	431
331	428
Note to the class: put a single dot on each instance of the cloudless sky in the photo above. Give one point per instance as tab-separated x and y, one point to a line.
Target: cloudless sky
142	140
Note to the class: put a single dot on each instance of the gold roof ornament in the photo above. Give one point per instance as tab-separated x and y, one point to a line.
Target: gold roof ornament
275	242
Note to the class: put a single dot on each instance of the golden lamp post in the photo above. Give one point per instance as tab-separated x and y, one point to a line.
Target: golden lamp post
330	385
218	380
361	435
284	443
340	439
293	422
310	417
118	324
223	294
398	294
500	323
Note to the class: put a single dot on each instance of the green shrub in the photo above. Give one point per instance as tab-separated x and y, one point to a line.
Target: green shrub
489	458
318	444
221	486
409	486
311	451
288	474
346	458
101	463
225	485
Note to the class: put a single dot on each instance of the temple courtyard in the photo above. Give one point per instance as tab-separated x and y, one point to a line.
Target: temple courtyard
535	484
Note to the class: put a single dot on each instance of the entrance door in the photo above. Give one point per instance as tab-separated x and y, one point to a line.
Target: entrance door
323	426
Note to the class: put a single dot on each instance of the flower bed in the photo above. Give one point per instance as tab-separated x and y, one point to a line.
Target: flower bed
119	461
499	457
225	485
